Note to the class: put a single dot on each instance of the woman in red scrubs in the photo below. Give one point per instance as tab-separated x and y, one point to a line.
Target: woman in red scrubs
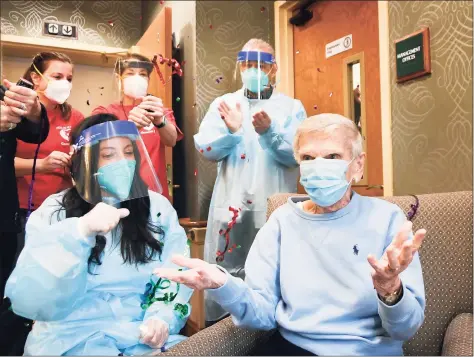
51	73
156	124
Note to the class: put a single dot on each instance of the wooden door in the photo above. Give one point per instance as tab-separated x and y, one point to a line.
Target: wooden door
322	83
158	40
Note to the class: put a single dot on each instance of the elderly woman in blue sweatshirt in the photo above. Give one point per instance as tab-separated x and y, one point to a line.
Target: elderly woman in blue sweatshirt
335	272
85	272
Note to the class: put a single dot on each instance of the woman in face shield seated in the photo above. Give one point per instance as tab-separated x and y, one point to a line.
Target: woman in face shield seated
336	273
85	274
156	123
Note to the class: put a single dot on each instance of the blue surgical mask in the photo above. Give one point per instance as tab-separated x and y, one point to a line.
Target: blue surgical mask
251	77
324	180
117	178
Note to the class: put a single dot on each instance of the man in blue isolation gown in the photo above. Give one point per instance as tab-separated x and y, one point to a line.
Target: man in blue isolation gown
250	134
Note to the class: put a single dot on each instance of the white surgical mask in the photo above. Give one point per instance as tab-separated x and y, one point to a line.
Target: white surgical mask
58	90
135	86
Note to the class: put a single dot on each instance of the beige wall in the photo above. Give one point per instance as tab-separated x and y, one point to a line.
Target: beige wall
432	116
92	17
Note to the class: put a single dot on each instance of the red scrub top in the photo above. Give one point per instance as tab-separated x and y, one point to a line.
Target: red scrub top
58	140
150	136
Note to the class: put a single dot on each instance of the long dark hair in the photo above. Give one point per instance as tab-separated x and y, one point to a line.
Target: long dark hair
42	61
137	244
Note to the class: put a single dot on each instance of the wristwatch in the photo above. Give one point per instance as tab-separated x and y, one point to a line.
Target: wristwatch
163	123
392	298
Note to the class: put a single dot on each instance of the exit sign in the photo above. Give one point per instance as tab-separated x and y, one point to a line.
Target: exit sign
59	29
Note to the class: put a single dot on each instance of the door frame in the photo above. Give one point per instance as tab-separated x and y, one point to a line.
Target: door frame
348	103
284	53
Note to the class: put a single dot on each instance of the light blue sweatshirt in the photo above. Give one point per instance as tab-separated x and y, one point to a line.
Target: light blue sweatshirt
308	275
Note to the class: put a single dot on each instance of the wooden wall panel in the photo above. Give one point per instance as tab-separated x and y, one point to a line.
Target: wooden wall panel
318	81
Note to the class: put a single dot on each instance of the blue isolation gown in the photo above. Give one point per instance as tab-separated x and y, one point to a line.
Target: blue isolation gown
79	313
251	167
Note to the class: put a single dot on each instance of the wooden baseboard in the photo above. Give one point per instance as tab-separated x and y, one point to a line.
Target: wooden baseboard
197	319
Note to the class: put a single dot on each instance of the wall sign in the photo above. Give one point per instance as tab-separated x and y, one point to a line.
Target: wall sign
59	29
413	55
340	45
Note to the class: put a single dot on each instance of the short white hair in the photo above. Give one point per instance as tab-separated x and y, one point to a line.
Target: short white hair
327	123
258	44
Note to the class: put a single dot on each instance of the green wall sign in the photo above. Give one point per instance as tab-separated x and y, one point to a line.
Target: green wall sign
413	55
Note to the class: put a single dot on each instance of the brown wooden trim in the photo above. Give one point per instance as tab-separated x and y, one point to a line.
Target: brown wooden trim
426	55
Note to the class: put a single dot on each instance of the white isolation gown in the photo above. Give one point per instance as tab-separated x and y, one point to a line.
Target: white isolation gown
79	313
251	167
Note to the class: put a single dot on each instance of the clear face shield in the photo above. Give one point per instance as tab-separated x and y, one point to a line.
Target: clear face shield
256	70
111	164
132	77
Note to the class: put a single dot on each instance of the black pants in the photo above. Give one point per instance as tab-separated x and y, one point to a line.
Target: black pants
278	346
11	245
8	250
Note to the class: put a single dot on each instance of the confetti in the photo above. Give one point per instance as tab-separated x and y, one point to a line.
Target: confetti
88	102
218	80
297	52
111	23
210	26
319	70
238	247
315	107
162	2
226	234
201	151
158	215
101	87
178	99
194	105
183	63
195	172
249	202
330	95
177	46
262	9
209	148
242	156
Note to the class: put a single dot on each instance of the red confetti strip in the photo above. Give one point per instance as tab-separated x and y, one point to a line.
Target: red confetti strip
209	148
210	26
111	23
195	172
249	202
262	9
171	62
201	151
242	156
226	234
315	107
